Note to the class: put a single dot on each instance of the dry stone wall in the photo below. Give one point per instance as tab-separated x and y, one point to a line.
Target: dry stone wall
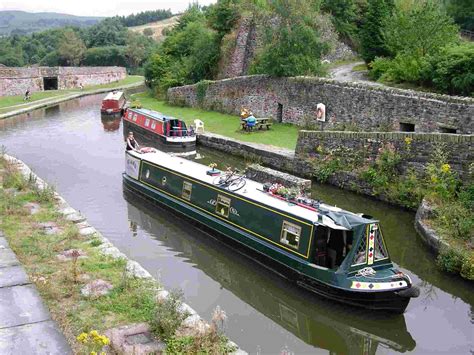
15	81
294	100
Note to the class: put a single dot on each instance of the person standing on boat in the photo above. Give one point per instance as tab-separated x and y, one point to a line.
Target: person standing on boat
132	143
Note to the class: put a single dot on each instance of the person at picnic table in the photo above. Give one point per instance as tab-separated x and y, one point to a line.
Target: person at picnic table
250	121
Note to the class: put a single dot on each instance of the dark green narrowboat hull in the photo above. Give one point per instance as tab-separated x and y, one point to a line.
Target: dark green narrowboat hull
272	257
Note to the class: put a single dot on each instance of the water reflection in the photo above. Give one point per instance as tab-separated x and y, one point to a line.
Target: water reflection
316	321
111	123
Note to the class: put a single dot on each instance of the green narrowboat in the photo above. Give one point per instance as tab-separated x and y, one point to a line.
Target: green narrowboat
331	252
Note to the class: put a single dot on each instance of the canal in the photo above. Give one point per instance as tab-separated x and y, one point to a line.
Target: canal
71	147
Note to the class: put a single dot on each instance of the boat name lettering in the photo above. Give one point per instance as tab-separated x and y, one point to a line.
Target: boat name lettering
232	210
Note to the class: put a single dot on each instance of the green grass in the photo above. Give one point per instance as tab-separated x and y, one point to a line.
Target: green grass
360	67
9	103
281	134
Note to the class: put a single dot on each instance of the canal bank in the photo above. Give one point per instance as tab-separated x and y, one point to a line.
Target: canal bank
265	314
71	226
44	103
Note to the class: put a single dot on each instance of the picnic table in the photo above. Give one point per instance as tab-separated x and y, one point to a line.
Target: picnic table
260	123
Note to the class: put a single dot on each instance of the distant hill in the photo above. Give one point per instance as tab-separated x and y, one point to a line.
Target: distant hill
156	28
21	22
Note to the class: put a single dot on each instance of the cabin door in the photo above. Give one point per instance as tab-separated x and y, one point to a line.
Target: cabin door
331	246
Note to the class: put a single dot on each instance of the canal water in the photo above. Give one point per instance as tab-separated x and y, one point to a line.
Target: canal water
82	155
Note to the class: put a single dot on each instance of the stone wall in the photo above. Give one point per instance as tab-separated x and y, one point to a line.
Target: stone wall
15	81
415	155
263	175
294	100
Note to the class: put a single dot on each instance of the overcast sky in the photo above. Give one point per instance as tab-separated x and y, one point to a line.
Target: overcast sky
97	7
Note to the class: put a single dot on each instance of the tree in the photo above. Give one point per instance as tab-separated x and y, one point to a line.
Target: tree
71	48
344	15
223	15
293	46
371	39
402	32
136	49
463	13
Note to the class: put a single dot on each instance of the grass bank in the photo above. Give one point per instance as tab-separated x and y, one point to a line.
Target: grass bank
59	282
10	103
280	135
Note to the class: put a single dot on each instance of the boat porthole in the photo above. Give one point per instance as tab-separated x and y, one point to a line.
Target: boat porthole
163	181
147	174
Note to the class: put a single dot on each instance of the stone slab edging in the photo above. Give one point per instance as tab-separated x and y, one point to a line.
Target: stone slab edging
57	100
107	248
428	234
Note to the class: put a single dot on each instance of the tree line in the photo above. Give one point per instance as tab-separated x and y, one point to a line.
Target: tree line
108	42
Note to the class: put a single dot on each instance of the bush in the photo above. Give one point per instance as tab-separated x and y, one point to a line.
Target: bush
452	70
168	316
451	259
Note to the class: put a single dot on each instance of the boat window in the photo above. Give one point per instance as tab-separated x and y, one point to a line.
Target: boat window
223	205
130	115
147	122
153	125
380	252
290	234
135	117
187	188
360	255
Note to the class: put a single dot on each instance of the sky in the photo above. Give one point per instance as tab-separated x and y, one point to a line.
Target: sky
97	7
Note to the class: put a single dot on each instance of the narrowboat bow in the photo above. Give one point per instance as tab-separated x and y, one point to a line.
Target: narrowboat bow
331	252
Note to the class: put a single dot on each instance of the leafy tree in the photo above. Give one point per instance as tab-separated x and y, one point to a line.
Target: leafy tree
71	48
463	13
51	59
144	17
155	69
104	56
344	15
148	32
403	33
371	39
136	49
223	15
293	46
106	33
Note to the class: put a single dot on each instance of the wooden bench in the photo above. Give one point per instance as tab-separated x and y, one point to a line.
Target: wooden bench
260	123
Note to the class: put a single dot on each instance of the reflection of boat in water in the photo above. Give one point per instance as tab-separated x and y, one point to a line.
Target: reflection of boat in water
317	322
111	123
156	130
331	252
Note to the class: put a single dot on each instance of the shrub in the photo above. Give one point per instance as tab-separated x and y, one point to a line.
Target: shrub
451	259
168	316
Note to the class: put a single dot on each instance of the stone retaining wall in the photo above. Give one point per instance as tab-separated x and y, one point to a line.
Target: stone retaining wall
263	175
294	100
415	155
15	81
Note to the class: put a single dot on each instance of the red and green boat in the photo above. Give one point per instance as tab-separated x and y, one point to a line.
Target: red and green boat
332	252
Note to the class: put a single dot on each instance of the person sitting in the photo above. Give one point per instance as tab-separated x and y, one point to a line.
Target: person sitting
132	143
250	122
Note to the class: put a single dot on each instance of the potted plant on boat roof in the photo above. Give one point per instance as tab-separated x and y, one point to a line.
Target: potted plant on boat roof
213	171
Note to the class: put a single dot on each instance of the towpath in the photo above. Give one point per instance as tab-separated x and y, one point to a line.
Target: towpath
26	326
345	73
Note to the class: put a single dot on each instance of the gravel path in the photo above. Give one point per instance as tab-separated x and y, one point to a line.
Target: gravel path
344	73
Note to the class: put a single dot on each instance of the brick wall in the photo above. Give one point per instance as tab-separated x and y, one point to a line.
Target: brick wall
367	107
15	81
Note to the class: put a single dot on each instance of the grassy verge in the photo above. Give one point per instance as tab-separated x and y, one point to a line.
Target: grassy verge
9	103
83	319
280	135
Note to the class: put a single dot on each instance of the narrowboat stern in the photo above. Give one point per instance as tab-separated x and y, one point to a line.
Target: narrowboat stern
332	252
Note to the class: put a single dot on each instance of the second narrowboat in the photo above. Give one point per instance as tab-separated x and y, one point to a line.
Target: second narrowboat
159	131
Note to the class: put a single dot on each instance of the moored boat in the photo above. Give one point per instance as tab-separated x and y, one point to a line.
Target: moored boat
334	253
159	131
113	104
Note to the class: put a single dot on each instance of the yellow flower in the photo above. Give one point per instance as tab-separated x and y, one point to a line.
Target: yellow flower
94	333
103	353
104	340
93	353
445	168
319	149
408	140
434	179
82	337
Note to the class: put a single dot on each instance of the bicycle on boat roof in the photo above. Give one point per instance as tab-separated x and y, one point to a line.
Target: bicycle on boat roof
231	180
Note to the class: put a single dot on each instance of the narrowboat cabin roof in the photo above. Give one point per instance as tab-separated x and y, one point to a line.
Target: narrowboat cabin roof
327	215
153	114
114	96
